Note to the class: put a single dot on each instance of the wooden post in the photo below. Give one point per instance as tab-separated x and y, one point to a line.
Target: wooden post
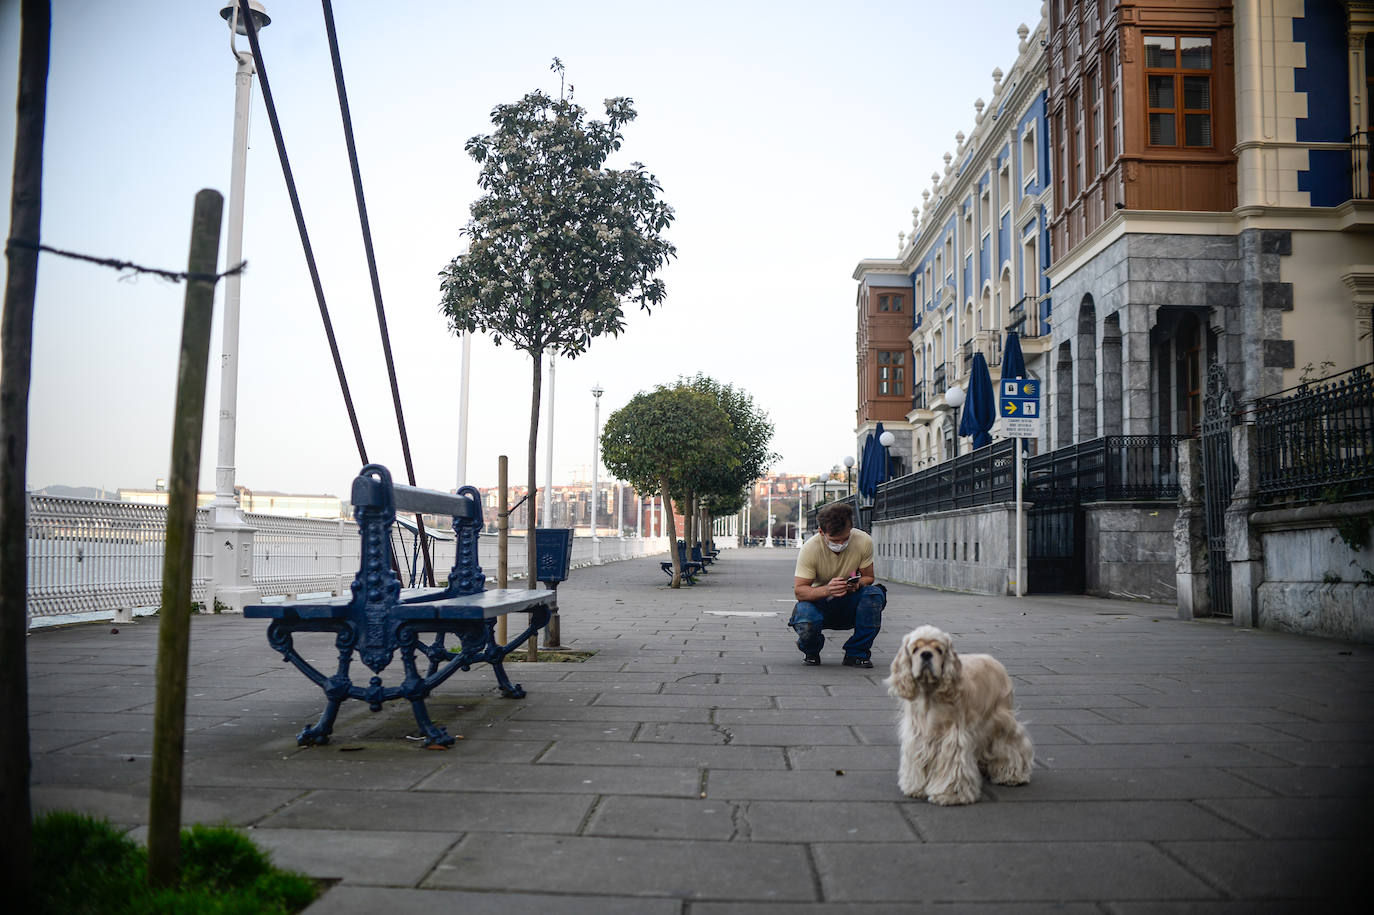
174	626
16	359
502	535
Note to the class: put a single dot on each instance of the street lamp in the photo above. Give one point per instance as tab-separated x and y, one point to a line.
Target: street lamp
848	474
886	440
769	532
224	503
955	398
233	564
596	459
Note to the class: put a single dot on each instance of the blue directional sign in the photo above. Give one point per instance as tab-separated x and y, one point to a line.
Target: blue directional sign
1019	406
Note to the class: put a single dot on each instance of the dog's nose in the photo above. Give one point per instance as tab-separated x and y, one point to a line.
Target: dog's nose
925	655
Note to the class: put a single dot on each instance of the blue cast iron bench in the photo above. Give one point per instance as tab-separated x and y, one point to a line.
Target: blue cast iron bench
690	569
381	618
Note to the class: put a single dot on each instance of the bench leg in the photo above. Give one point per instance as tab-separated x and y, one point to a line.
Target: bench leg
415	689
317	735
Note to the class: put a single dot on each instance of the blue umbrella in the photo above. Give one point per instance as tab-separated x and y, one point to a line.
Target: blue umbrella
1013	363
879	458
980	409
866	462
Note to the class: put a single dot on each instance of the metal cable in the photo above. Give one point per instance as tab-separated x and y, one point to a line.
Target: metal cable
246	18
372	269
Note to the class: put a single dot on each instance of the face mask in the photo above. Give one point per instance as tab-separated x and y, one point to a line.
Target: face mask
836	547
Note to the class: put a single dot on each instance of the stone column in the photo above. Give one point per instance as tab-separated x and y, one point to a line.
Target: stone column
1190	535
1112	394
1244	550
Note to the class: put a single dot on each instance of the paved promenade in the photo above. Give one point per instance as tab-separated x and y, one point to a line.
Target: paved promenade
694	766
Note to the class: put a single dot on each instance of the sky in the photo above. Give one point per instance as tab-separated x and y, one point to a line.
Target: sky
792	140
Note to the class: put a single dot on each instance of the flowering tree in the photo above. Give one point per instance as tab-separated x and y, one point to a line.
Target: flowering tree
558	242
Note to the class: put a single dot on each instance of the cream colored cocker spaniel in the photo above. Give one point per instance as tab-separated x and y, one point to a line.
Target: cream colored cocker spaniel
957	721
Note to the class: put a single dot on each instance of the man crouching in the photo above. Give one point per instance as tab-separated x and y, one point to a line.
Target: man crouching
835	589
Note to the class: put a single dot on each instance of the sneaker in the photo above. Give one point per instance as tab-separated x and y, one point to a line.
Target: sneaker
851	661
812	660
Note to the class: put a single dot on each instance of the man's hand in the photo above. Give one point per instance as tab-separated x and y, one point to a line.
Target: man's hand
837	587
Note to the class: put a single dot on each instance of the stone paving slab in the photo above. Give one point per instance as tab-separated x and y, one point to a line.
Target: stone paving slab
694	766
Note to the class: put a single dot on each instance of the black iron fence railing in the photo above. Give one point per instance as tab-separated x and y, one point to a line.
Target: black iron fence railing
1111	468
1315	442
918	396
1361	166
938	377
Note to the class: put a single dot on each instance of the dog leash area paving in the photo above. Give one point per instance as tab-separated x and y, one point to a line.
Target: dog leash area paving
693	765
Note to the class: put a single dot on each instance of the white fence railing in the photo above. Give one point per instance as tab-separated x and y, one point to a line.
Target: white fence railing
89	559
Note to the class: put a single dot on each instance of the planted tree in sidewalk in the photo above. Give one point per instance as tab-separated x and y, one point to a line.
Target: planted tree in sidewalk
725	488
558	242
663	442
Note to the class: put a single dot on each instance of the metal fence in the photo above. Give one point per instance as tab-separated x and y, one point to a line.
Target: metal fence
94	556
88	558
1315	442
1111	468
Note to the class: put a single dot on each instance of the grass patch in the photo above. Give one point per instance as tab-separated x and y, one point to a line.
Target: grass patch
86	865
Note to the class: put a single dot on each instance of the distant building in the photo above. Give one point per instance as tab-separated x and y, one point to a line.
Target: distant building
262	502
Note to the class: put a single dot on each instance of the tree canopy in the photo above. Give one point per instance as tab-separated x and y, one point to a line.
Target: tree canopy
666	442
725	487
557	242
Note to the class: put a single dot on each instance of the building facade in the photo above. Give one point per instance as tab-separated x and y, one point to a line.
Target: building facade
1210	207
972	269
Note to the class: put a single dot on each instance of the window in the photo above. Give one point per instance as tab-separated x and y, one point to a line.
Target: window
1116	101
891	373
1028	163
1062	141
1178	76
890	304
1076	107
1095	99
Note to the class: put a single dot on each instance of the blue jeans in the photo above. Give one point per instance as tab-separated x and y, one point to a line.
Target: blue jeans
861	611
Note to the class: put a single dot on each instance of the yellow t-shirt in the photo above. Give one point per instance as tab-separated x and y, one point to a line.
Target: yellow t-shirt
818	564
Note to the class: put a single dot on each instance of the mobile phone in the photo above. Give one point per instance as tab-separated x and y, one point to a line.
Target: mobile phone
853	578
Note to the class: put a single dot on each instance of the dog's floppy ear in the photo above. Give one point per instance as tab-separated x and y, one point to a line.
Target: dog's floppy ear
951	675
902	684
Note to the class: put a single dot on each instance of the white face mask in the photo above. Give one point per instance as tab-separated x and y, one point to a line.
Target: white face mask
836	547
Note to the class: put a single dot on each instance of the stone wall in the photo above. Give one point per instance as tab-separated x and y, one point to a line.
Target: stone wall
1130	550
971	549
1315	582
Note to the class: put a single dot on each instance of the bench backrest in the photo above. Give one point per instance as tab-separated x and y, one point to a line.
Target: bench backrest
375	503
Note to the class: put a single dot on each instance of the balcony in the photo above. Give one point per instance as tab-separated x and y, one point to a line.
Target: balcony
939	379
987	342
918	396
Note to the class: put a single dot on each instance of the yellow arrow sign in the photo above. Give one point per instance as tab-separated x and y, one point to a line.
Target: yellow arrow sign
1009	406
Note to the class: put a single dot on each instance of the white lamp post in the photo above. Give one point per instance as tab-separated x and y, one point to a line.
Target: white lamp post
768	542
886	440
596	460
955	398
849	474
234	562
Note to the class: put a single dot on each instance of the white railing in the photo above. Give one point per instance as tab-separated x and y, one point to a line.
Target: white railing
91	556
90	559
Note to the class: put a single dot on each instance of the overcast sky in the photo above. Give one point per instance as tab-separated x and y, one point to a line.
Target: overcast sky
793	140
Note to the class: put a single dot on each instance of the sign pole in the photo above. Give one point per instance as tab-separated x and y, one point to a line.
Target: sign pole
1020	528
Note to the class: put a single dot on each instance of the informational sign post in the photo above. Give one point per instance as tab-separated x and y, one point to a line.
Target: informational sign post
1018	409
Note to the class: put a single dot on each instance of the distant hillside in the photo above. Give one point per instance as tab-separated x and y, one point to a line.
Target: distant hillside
78	492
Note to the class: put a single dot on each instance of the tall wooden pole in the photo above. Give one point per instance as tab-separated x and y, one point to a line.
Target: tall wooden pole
16	355
502	535
174	627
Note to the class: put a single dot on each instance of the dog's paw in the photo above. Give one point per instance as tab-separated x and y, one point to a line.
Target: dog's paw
954	799
1010	778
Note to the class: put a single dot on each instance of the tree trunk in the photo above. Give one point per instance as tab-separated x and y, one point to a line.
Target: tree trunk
672	534
531	568
16	359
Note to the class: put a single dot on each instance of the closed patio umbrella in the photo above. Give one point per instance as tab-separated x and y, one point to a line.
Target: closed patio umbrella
980	411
